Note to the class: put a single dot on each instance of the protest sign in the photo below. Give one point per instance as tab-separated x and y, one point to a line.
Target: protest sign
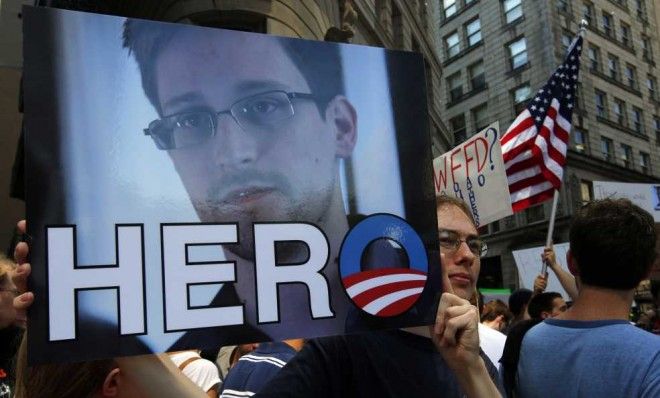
192	187
646	196
528	262
474	172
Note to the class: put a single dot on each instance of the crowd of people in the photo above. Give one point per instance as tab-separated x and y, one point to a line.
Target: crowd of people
589	348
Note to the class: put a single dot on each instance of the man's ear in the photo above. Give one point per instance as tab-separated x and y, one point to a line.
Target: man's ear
572	265
341	114
545	315
110	386
500	320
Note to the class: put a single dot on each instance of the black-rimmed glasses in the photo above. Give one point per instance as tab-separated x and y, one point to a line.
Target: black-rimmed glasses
253	114
451	241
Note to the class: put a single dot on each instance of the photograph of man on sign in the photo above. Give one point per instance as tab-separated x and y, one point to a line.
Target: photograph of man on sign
260	136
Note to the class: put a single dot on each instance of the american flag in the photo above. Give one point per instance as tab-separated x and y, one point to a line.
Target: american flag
534	147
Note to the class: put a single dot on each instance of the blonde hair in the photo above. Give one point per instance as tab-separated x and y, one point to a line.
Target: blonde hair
7	266
445	201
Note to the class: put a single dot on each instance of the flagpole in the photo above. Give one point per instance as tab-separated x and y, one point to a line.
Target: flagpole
551	228
555	198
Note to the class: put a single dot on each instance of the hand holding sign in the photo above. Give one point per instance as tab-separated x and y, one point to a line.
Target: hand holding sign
455	332
456	336
20	276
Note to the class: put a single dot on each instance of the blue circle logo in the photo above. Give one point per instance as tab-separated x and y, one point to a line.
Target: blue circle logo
383	290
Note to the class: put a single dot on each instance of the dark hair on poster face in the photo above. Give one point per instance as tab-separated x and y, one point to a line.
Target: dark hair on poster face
319	63
613	243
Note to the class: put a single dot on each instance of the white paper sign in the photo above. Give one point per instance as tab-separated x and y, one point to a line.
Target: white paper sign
474	171
529	264
646	196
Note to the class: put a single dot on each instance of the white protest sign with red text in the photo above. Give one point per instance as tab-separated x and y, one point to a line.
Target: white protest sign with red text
474	171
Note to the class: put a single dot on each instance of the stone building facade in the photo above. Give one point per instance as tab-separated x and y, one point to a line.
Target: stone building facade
496	54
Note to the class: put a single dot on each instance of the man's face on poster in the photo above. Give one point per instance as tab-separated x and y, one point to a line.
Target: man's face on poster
260	164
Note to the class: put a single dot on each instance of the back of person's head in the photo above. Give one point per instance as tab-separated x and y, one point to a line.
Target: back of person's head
495	308
542	302
613	243
61	380
518	301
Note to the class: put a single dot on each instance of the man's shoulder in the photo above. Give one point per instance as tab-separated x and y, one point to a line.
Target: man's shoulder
615	333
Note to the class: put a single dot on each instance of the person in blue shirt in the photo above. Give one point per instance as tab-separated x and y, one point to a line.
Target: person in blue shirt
592	350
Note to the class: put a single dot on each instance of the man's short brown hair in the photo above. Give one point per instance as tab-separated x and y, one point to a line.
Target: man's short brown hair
613	242
444	200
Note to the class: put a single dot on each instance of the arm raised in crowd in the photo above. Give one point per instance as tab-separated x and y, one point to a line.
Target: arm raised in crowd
566	279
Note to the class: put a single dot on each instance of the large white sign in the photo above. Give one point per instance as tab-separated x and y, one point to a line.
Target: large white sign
474	171
646	196
529	264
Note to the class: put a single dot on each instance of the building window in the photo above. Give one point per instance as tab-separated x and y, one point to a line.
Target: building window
641	9
473	32
607	24
534	213
520	97
518	53
645	162
562	5
455	85
607	149
652	85
480	117
619	111
637	120
594	58
512	10
647	54
458	128
613	66
656	128
477	75
588	11
450	7
566	40
580	140
453	44
627	155
601	104
631	76
625	35
586	191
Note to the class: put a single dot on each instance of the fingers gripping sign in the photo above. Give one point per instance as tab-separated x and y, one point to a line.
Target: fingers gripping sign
20	277
455	332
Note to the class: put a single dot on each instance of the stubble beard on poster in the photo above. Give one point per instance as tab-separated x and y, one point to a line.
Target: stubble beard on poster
287	252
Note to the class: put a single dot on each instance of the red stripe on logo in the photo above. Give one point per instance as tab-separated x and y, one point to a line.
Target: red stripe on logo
364	275
377	292
398	307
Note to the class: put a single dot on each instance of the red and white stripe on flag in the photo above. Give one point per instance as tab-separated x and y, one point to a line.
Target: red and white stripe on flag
534	147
